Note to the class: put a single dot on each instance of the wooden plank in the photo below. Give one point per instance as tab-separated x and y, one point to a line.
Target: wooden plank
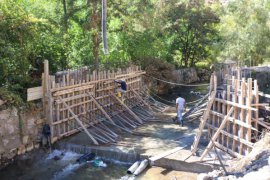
210	145
94	81
79	122
34	93
231	119
256	91
236	104
249	101
223	112
235	154
242	113
164	154
228	129
72	89
235	84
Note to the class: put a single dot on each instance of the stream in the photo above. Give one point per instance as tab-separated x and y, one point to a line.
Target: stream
59	165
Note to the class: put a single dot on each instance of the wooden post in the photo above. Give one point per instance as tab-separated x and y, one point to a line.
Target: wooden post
256	101
242	113
47	97
210	145
235	83
249	101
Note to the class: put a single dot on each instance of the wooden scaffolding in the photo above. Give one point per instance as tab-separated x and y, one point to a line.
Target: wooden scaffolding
75	100
231	116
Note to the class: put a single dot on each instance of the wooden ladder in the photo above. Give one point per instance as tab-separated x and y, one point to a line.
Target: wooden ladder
203	122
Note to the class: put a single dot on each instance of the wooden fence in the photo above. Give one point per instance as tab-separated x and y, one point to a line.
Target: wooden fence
78	99
231	116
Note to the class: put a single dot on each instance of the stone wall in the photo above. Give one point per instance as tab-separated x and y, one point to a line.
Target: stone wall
191	75
187	75
20	132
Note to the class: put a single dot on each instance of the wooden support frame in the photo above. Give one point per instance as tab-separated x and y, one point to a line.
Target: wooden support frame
127	108
100	108
240	129
71	95
214	138
203	121
79	122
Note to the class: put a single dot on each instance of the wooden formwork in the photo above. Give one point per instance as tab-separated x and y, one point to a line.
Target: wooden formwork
232	117
74	100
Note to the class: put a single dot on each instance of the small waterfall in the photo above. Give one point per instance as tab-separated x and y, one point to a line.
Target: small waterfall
112	155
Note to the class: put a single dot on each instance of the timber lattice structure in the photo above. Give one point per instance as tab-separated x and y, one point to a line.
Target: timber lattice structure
231	115
84	100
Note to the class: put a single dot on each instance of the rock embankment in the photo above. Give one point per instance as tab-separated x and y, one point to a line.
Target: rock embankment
19	132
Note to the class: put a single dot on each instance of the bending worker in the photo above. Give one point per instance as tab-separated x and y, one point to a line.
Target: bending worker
122	88
180	107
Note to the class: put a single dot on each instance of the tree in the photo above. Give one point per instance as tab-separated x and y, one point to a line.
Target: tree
191	28
245	30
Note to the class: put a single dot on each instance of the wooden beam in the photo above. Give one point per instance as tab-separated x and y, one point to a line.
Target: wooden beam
127	108
235	154
235	104
210	145
79	122
250	144
231	119
164	154
261	123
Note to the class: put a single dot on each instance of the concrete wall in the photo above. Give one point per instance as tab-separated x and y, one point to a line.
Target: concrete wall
19	132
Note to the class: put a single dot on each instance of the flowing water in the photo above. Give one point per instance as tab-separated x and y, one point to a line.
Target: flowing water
59	165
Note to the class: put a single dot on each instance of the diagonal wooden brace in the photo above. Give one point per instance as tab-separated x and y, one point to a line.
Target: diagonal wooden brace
101	108
141	99
214	138
127	108
79	121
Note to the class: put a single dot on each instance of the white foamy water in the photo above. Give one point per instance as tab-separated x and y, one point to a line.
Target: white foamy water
63	155
68	155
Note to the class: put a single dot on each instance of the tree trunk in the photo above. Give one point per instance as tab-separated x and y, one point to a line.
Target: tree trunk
95	22
65	15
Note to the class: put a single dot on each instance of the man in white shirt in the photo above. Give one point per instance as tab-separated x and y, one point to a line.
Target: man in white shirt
180	107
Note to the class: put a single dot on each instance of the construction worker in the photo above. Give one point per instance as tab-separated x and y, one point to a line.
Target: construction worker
122	88
180	107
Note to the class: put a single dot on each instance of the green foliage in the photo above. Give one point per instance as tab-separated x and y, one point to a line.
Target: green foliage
192	29
182	33
245	30
11	99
